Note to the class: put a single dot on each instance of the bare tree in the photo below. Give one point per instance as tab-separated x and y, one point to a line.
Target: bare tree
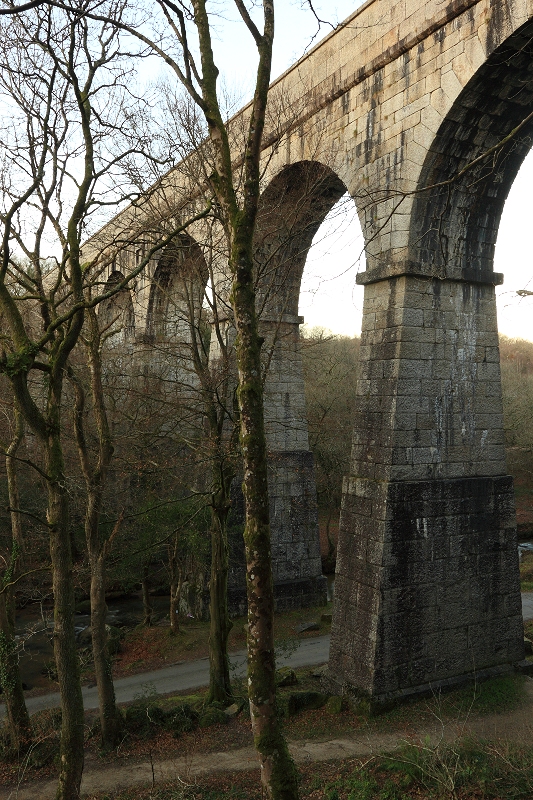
95	476
66	82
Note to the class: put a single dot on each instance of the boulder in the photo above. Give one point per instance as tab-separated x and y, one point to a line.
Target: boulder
303	701
334	705
285	676
84	637
144	718
114	636
212	716
233	710
319	672
182	719
307	626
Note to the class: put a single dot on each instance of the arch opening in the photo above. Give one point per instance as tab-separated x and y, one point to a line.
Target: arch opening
292	208
303	204
177	291
116	315
461	193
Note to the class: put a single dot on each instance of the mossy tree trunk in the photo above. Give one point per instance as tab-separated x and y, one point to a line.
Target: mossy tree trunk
278	773
18	719
95	476
277	768
220	623
216	392
110	718
71	756
175	585
148	611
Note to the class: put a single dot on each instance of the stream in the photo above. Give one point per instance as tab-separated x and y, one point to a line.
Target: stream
35	628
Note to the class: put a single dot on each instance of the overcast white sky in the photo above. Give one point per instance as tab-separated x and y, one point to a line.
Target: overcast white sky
329	295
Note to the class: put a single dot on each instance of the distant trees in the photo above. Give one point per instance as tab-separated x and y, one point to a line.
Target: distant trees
330	374
517	384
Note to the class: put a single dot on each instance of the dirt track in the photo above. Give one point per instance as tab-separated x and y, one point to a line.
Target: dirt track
513	726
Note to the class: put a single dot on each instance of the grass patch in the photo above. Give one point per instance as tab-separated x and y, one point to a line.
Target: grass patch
466	770
526	572
495	696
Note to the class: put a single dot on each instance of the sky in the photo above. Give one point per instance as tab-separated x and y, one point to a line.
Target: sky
329	297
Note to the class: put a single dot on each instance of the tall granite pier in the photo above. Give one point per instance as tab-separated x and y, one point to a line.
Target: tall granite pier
427	591
296	562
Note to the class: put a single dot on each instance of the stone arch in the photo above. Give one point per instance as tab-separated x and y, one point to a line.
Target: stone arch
116	314
292	208
427	541
177	291
455	221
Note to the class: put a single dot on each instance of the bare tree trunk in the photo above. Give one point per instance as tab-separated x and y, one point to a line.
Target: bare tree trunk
66	657
19	725
147	606
220	625
278	773
175	586
174	607
18	719
110	718
97	546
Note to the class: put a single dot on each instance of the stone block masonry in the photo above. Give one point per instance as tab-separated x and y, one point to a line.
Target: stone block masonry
296	561
426	586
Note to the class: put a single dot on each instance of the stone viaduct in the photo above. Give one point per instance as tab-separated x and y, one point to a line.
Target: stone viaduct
403	107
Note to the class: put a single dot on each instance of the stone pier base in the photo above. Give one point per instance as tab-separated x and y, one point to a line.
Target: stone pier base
427	591
296	561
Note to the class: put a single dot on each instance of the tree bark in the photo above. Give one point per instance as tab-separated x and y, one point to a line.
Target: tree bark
71	754
18	719
97	546
220	624
147	606
278	773
175	585
174	607
110	719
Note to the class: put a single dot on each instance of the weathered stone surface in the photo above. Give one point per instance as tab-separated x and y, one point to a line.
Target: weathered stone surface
445	599
307	626
334	704
233	710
